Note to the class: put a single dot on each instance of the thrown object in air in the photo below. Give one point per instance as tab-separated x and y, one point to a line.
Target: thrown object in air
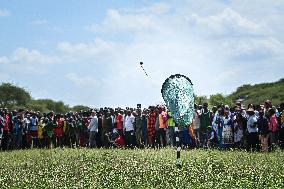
141	64
177	92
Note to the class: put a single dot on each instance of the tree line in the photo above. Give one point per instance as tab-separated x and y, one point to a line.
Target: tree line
15	97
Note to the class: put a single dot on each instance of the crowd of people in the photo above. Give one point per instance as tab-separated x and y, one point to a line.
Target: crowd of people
256	127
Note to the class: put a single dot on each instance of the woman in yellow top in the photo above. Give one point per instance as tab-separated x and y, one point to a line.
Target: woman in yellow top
41	125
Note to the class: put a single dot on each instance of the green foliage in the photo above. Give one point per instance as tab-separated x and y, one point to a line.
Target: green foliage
200	99
79	108
219	99
11	95
259	93
47	105
114	168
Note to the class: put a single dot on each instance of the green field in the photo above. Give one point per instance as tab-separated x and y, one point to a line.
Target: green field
114	168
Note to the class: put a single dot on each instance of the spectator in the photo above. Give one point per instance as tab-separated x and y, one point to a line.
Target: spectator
129	129
40	131
138	127
205	119
144	127
252	130
281	134
196	123
18	131
151	126
162	117
171	128
212	140
272	128
263	131
58	130
33	129
2	123
93	127
119	121
238	130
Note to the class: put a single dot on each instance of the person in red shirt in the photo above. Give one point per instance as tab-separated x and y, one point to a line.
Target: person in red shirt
272	128
6	138
119	122
58	130
152	116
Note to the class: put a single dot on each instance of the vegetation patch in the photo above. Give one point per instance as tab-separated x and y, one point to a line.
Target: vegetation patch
149	168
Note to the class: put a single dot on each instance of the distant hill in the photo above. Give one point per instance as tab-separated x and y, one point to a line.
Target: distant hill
259	93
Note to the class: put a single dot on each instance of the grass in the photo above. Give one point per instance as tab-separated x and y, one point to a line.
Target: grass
114	168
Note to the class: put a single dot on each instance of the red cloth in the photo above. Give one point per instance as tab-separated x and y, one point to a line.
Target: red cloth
34	134
273	124
151	124
119	142
7	121
119	121
58	131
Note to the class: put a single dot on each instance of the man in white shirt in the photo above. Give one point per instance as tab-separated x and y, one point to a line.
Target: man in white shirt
129	129
93	127
196	121
252	130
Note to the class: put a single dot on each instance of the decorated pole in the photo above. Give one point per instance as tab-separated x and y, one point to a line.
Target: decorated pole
177	92
178	147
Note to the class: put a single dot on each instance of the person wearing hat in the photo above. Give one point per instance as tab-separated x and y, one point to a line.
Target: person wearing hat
252	130
267	106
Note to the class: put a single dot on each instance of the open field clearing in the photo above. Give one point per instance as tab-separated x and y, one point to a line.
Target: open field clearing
113	168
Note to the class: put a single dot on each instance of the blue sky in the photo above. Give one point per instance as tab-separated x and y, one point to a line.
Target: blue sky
88	52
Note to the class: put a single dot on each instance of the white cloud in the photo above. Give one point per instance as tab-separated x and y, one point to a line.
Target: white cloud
98	47
254	49
134	22
32	56
82	81
228	22
4	13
